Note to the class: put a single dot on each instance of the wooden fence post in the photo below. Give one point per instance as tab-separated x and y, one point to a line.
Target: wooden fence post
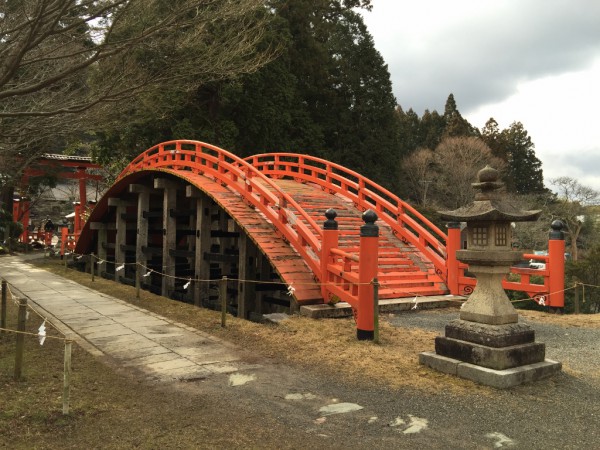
223	298
3	306
367	270
21	322
92	263
67	377
138	280
376	310
330	240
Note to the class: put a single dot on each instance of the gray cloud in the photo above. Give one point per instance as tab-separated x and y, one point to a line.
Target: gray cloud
482	61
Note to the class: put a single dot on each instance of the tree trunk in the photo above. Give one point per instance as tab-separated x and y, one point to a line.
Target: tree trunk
6	198
574	236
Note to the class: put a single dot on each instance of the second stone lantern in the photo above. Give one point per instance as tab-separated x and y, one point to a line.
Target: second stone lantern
488	344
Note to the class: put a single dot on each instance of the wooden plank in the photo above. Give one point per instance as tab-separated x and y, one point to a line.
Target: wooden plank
202	244
169	233
247	267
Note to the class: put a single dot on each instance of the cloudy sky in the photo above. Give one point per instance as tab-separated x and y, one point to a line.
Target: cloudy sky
533	61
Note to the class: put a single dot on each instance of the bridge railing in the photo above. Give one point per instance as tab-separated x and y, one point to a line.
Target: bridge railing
67	241
544	284
350	276
257	190
406	222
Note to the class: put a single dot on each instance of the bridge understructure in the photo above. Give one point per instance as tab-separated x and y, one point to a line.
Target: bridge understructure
184	214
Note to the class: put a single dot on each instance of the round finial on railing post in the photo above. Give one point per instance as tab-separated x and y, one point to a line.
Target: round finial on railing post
369	229
330	223
557	234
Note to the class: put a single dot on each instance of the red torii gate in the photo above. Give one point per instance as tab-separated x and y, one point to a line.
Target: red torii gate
61	166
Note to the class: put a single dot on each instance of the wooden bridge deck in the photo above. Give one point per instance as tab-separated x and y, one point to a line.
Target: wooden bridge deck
402	271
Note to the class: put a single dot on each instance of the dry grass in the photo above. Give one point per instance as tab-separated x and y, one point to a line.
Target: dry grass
571	320
326	346
110	410
117	411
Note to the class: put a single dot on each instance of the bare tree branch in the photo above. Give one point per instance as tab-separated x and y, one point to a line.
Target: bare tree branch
66	64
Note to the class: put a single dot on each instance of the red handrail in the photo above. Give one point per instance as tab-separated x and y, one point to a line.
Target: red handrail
536	291
253	186
406	222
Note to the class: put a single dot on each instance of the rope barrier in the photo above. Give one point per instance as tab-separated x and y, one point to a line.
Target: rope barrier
549	293
189	280
63	338
29	307
290	288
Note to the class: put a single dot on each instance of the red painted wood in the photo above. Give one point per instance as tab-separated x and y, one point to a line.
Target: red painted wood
280	201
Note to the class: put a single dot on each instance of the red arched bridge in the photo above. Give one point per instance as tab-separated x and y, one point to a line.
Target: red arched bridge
184	212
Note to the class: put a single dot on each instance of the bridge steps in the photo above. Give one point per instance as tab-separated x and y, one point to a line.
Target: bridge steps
402	272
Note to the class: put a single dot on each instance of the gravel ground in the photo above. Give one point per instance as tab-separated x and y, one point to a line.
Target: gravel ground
578	348
560	412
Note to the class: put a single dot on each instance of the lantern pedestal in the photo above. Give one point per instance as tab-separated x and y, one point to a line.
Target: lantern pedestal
487	344
500	379
501	354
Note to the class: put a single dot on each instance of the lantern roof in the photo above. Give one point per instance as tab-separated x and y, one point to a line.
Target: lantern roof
491	203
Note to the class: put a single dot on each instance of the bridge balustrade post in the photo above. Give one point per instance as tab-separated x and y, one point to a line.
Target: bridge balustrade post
367	271
21	214
64	236
26	209
556	266
282	206
330	240
77	218
452	245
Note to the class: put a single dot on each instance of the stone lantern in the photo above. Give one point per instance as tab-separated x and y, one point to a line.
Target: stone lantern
488	344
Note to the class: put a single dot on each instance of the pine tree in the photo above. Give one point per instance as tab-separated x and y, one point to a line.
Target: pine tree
456	124
525	173
490	134
432	128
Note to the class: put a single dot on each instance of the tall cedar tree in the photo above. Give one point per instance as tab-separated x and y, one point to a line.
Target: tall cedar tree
456	124
327	94
514	145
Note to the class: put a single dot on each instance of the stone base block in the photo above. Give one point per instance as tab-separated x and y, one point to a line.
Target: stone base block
500	379
490	335
490	357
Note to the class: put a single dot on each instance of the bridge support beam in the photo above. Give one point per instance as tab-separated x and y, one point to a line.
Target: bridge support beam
202	243
121	237
264	269
169	234
102	229
247	276
141	241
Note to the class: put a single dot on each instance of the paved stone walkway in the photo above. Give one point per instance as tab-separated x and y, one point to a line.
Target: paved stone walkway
161	349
